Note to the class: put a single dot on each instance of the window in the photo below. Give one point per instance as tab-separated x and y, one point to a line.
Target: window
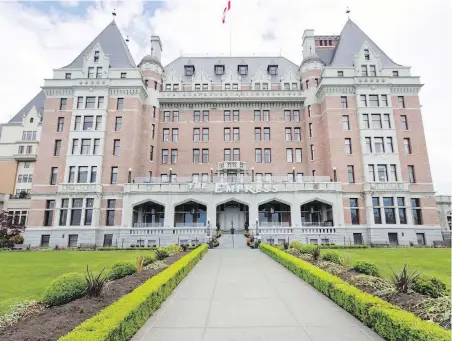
363	100
307	84
93	177
344	103
377	210
266	115
312	152
386	121
235	86
53	175
90	72
189	70
371	172
116	144
82	176
373	101
243	70
382	173
340	73
118	123
368	145
71	178
401	101
289	155
96	147
100	102
75	148
376	121
205	156
154	110
86	147
197	116
389	145
173	156
151	153
96	56
21	150
354	211
366	54
236	134
227	134
205	115
296	134
120	104
384	100
345	122
166	116
219	70
257	86
348	146
258	155
67	75
407	145
196	158
296	115
90	103
411	175
264	86
286	86
164	156
395	73
57	148
63	212
379	146
98	122
19	178
366	121
236	115
48	213
389	208
417	214
273	69
236	154
404	122
63	103
114	175
310	130
77	122
364	70
287	115
175	135
227	115
402	210
288	134
298	155
60	124
99	72
155	85
110	218
227	86
79	102
197	87
351	174
393	170
267	155
257	134
227	155
88	122
196	132
372	71
166	132
123	75
257	115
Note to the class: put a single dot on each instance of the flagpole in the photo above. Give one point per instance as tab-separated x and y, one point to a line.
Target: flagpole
230	34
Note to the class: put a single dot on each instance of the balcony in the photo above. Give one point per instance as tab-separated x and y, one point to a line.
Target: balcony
21	196
237	166
386	186
25	157
79	188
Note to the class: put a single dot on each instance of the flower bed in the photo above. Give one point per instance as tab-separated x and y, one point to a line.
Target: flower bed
389	321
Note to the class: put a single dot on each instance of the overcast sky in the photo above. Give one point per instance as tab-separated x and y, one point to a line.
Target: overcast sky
39	36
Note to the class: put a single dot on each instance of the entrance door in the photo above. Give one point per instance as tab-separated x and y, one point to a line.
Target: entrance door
232	218
358	238
393	239
420	238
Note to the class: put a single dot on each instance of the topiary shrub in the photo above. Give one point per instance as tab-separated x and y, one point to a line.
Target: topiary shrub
333	256
295	245
162	253
308	248
121	269
64	289
430	286
366	268
148	259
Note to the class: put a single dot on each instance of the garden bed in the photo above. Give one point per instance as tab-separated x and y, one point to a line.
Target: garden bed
48	324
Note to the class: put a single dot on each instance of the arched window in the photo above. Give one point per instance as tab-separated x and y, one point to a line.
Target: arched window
31	120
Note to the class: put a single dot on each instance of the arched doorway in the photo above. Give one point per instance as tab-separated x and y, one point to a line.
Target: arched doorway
190	213
274	213
232	214
148	214
316	213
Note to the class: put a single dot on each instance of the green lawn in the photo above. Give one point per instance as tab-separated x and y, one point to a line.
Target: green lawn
25	275
432	262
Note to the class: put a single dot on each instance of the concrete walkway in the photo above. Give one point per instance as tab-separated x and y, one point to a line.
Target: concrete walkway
244	295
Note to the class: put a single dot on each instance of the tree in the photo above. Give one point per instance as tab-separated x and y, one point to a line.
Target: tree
10	232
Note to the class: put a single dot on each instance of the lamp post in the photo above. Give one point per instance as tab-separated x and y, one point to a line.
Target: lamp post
129	178
257	227
208	227
211	174
334	174
170	174
293	173
252	174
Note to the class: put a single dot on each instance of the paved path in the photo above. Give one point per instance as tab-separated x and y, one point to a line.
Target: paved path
244	295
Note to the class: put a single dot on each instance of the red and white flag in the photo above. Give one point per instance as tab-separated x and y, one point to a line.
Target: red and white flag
226	10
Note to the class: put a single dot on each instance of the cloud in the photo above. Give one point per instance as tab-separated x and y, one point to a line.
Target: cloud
39	40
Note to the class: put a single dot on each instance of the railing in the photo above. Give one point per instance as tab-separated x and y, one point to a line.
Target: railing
20	196
386	186
279	230
272	224
160	224
317	223
71	188
231	165
190	224
318	230
233	179
187	231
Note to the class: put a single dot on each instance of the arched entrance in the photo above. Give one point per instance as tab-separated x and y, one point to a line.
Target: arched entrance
232	214
274	213
148	214
316	213
190	213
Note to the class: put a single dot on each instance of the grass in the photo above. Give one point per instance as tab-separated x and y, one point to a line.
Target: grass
25	275
432	262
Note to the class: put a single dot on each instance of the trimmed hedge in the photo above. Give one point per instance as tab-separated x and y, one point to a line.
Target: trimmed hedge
121	320
389	321
64	289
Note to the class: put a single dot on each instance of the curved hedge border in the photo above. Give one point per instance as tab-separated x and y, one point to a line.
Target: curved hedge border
389	321
122	319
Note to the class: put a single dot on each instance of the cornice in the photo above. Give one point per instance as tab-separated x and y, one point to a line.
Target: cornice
232	105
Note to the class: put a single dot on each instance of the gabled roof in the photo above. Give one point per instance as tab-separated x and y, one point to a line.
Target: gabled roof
113	44
351	41
37	101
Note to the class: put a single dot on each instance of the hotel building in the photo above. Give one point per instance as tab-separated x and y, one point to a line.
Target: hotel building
329	151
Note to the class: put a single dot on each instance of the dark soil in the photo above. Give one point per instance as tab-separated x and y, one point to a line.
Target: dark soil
51	323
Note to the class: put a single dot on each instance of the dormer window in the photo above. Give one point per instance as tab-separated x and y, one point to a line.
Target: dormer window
90	72
366	54
286	86
235	86
96	56
197	87
243	70
205	87
395	73
264	86
257	86
123	75
189	70
167	87
219	70
175	87
227	86
67	75
273	69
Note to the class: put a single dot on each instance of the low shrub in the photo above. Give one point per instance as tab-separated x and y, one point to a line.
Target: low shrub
390	322
293	251
121	269
331	267
173	249
316	253
333	256
121	320
430	286
162	253
404	279
376	283
94	284
308	248
158	264
64	289
437	310
366	268
296	245
148	259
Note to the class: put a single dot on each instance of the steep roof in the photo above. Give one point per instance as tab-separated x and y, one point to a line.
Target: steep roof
207	64
351	41
113	44
37	101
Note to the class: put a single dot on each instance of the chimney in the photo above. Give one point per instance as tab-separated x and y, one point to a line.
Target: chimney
308	44
156	48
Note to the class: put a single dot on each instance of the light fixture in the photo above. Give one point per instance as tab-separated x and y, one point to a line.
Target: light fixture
153	211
